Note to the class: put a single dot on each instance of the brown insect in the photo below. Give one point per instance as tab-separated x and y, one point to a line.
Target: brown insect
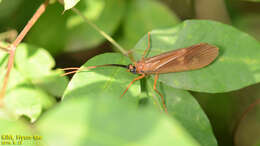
184	59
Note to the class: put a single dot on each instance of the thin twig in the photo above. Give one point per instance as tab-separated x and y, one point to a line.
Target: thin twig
31	22
104	34
9	68
110	39
12	47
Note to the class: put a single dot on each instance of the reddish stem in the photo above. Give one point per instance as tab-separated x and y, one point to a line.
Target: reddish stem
30	23
12	47
248	109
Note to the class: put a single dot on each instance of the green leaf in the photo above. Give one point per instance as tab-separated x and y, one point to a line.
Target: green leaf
32	61
68	4
14	129
32	84
70	32
53	83
185	109
110	82
35	64
221	118
86	120
237	65
106	14
15	79
143	16
27	101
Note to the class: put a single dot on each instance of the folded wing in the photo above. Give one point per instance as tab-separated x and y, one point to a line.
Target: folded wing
190	58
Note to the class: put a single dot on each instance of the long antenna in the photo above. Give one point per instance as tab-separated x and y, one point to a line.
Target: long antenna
78	69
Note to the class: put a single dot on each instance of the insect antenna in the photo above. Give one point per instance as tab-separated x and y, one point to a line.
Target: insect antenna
79	69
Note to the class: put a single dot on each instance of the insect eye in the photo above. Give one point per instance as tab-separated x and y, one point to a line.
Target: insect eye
133	69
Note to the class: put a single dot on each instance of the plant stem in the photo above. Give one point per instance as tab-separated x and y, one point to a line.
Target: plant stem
13	46
30	23
110	39
244	114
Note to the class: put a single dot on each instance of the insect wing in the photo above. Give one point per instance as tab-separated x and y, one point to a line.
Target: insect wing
191	58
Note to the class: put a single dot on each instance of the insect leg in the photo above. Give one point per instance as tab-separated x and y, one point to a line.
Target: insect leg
154	87
148	46
138	78
130	54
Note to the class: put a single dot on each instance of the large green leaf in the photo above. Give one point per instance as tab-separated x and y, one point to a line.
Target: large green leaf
107	121
221	109
69	31
237	65
184	108
143	16
110	82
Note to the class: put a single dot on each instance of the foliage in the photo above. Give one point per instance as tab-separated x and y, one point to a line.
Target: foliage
87	110
75	34
116	122
110	82
139	20
244	63
33	85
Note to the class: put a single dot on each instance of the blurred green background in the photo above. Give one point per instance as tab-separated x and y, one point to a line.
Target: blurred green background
72	42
